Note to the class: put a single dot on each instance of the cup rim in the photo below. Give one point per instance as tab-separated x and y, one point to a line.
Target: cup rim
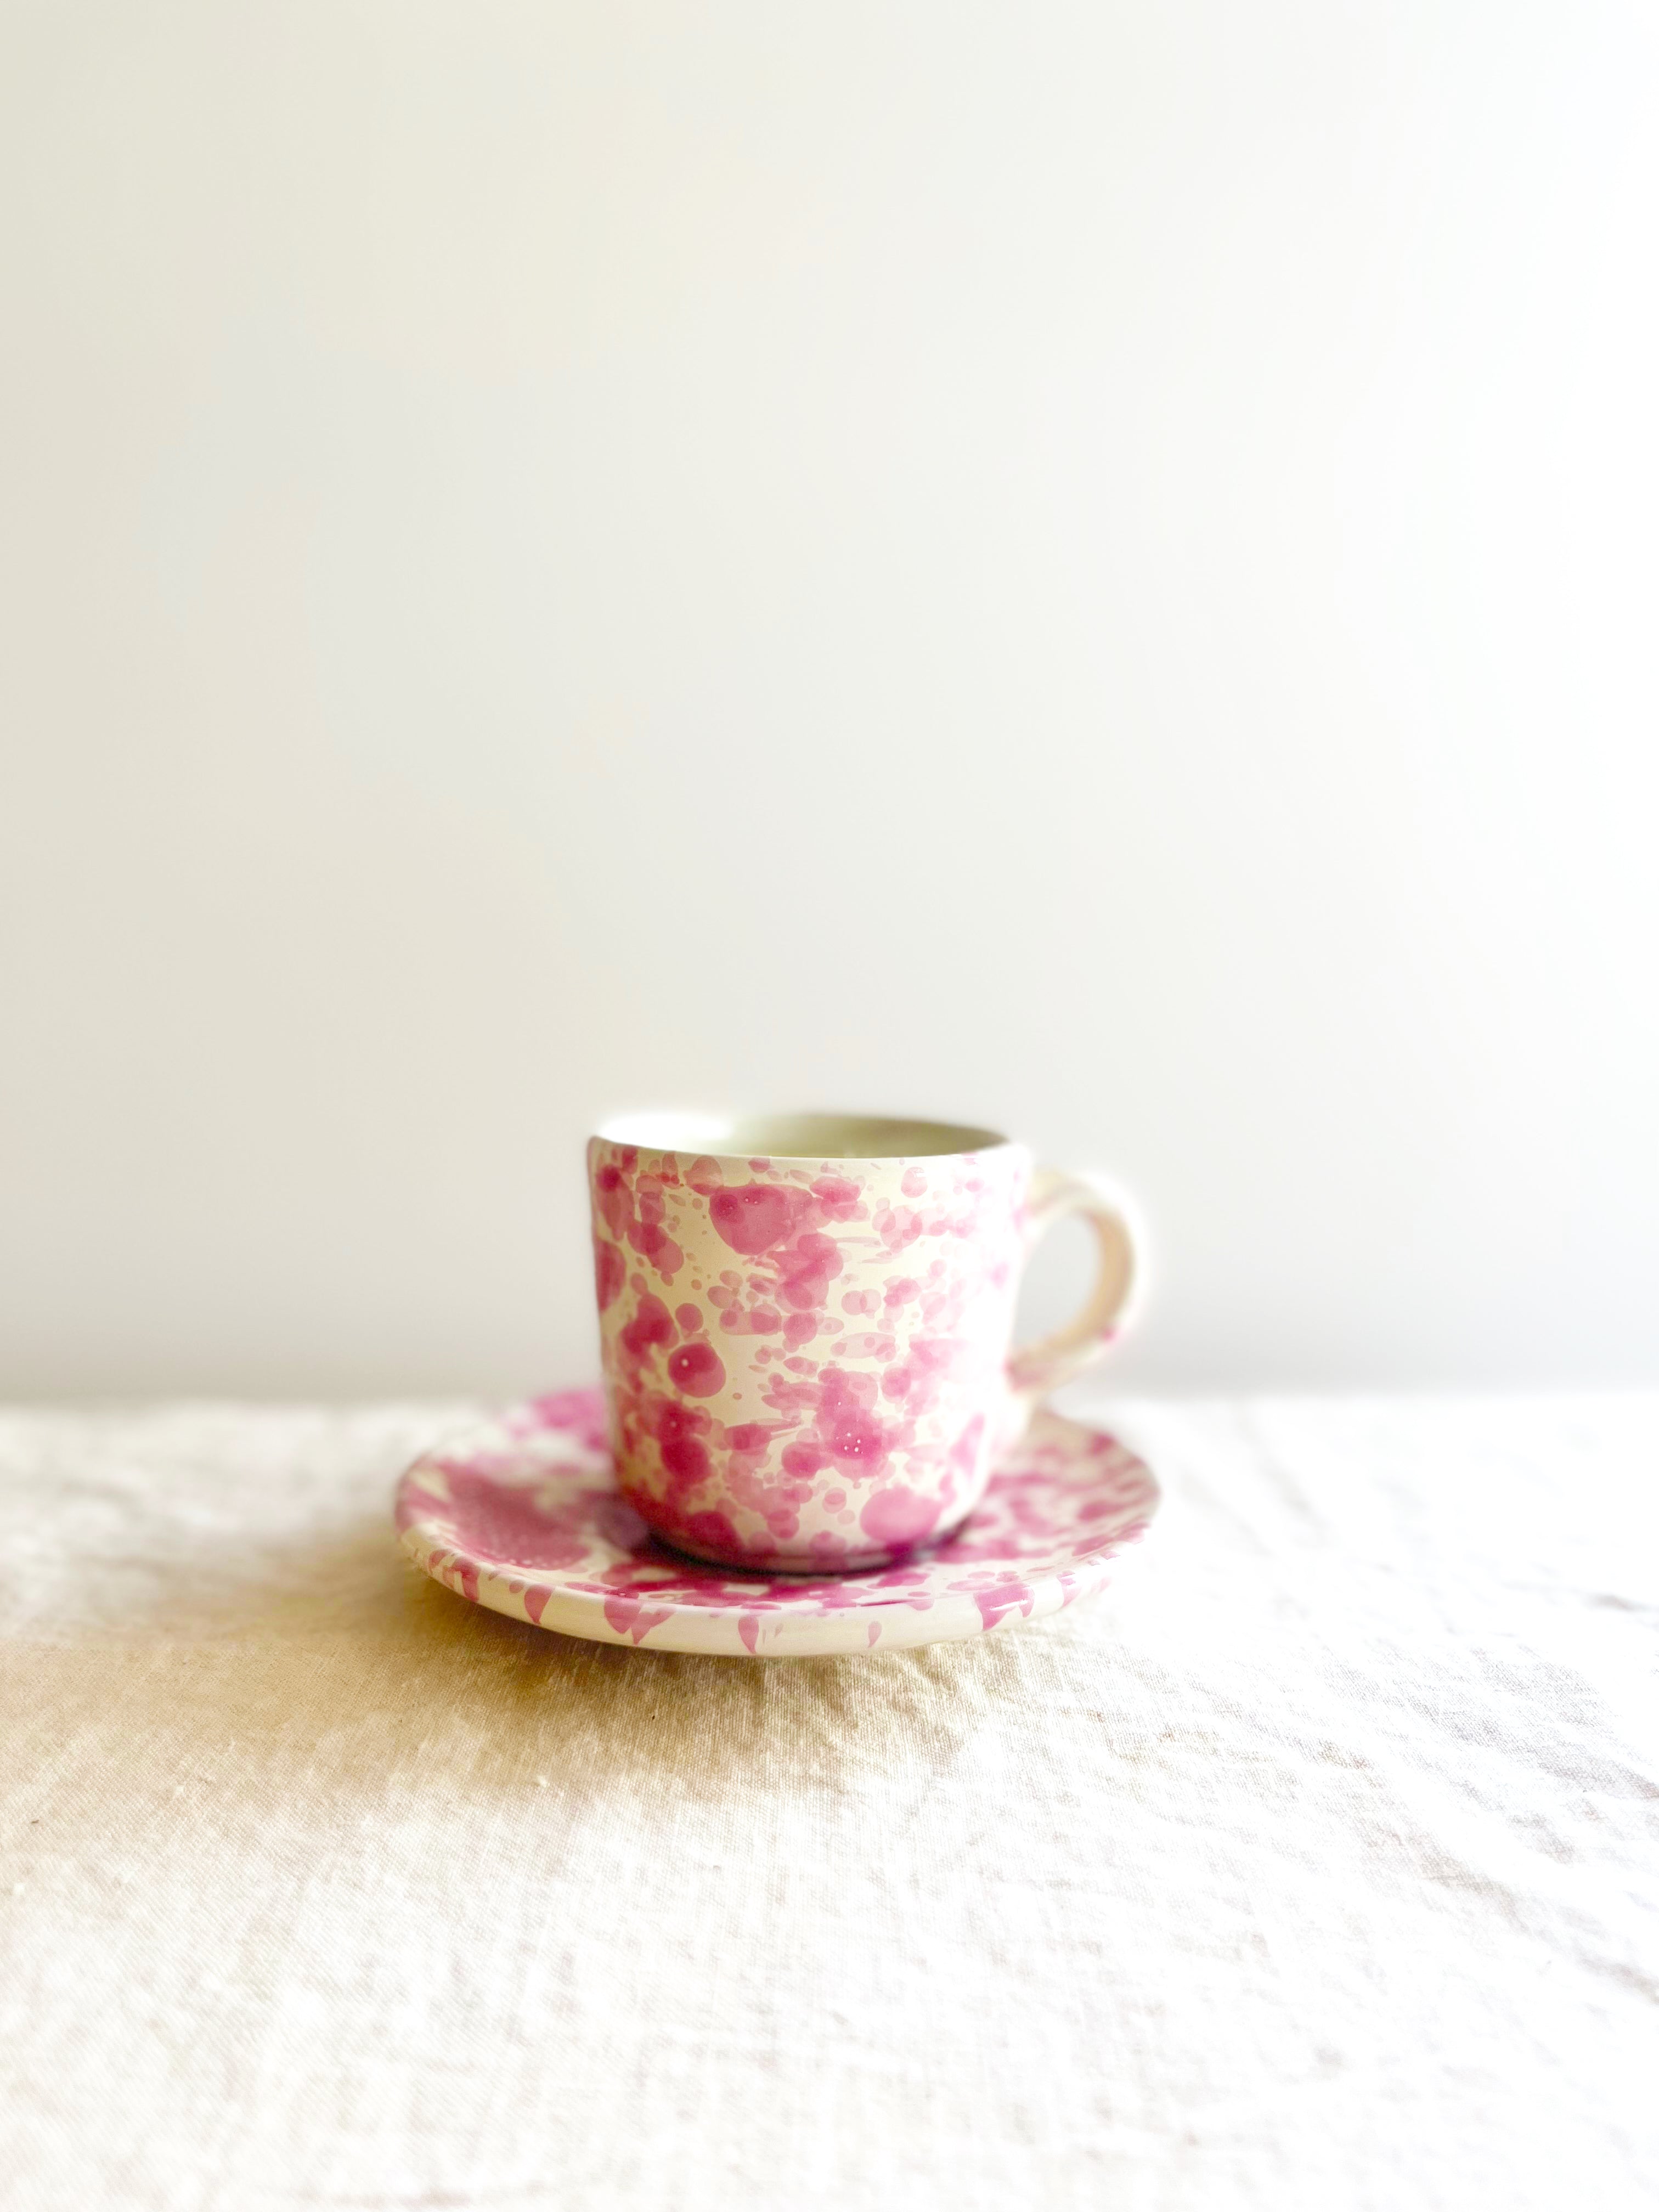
740	1136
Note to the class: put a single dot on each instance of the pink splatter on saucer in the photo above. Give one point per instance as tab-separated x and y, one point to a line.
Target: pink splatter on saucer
523	1516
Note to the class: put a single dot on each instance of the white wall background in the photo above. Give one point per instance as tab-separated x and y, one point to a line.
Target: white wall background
1089	566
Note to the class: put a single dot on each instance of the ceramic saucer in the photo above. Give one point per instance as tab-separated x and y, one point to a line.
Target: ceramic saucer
524	1515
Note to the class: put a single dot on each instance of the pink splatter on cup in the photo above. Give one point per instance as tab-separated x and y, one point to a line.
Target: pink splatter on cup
805	1322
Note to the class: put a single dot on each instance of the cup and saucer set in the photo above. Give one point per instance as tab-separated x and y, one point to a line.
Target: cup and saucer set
813	1436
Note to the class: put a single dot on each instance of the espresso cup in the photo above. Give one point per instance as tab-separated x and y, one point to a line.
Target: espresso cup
805	1322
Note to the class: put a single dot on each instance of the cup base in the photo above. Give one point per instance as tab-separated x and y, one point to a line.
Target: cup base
814	1567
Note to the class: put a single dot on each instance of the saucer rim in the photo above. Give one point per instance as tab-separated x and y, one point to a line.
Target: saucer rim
779	1632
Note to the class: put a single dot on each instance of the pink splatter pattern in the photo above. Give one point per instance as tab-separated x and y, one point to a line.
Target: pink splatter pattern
805	1360
524	1516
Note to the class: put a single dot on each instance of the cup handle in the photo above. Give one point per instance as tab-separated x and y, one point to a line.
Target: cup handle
1035	1369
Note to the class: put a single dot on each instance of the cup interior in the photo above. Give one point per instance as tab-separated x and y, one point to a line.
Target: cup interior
799	1136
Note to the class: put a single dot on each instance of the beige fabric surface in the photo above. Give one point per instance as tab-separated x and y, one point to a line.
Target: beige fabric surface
1316	1864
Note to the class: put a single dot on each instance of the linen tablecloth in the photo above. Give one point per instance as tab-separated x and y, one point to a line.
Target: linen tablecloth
1314	1864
